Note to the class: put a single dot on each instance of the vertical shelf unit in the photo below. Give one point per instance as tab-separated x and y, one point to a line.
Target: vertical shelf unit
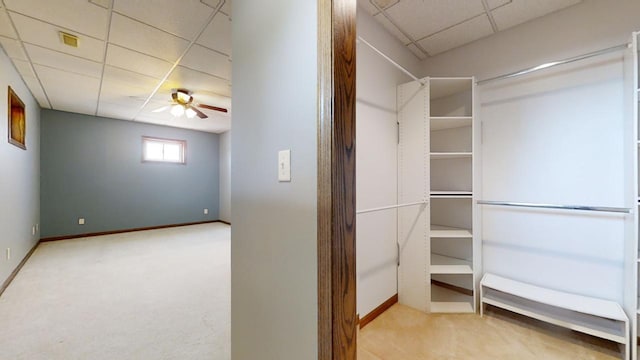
453	259
632	66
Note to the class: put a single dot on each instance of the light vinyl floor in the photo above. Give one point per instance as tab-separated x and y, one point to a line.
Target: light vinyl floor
402	333
151	295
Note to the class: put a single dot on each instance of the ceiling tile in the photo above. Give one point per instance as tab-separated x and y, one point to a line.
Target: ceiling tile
146	39
68	91
217	35
77	15
208	61
58	60
392	29
466	32
29	77
116	111
23	67
497	3
416	51
421	18
102	3
6	29
227	8
212	3
197	81
120	84
12	48
184	18
137	62
373	10
520	11
214	123
46	35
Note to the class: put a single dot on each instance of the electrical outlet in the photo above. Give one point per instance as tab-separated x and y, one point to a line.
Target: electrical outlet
206	211
284	166
81	221
8	253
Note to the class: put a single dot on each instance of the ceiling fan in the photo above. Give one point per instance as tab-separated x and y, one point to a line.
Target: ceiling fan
182	104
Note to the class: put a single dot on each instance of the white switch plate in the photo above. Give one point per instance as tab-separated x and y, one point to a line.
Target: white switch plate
8	253
81	221
206	211
284	165
33	230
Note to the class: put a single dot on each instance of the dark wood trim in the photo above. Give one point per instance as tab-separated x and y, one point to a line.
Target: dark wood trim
224	222
378	311
337	319
457	289
15	272
68	237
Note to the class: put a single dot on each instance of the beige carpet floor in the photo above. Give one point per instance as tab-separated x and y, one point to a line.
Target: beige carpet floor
152	295
402	333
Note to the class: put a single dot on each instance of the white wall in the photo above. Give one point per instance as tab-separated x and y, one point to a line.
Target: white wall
274	238
555	136
225	176
377	162
19	177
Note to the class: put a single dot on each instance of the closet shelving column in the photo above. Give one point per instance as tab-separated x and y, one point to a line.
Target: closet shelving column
452	269
636	117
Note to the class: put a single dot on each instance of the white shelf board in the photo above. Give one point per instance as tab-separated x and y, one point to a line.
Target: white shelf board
443	87
451	307
441	264
453	194
449	155
449	122
439	231
445	300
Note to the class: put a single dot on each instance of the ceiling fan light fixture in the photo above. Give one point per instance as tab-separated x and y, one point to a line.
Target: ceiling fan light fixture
184	98
190	113
177	110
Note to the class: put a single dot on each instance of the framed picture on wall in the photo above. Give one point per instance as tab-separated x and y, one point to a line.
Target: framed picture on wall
17	121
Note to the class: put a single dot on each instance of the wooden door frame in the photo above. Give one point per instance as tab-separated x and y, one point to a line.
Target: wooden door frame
337	320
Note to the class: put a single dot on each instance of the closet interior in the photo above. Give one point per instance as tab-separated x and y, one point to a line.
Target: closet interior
498	191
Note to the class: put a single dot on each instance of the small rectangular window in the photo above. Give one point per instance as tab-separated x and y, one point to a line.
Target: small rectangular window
164	150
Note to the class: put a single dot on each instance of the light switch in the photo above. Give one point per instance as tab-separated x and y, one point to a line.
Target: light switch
81	221
284	165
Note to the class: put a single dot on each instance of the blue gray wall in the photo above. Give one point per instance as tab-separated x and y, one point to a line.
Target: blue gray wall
92	168
19	177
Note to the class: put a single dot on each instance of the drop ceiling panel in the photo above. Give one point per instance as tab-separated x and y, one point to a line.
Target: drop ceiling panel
217	35
215	124
68	91
197	81
146	39
78	15
46	35
124	87
520	11
116	111
212	3
29	77
23	68
12	48
392	29
227	8
383	4
464	33
183	18
208	61
62	61
137	62
421	18
6	29
497	3
416	51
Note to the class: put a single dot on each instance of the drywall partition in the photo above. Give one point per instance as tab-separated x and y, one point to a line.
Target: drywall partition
19	177
414	288
274	240
556	137
225	176
377	163
92	168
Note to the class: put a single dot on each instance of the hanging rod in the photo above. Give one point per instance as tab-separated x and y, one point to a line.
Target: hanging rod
402	68
390	207
555	63
559	207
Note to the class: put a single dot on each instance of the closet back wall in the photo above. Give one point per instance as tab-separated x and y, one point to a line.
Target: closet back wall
92	168
377	162
555	136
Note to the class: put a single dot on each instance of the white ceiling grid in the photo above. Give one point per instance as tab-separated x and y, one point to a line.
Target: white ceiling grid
151	47
431	27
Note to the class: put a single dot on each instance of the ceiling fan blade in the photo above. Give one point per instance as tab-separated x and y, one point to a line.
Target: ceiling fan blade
215	108
162	109
200	114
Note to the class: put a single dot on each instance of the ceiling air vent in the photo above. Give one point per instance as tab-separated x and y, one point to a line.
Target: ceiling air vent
68	39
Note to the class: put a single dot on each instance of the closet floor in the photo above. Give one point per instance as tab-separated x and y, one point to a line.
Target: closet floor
407	334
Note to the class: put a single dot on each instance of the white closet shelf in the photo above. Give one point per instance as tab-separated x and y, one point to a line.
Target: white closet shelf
449	155
441	264
439	231
451	307
448	301
453	194
449	122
